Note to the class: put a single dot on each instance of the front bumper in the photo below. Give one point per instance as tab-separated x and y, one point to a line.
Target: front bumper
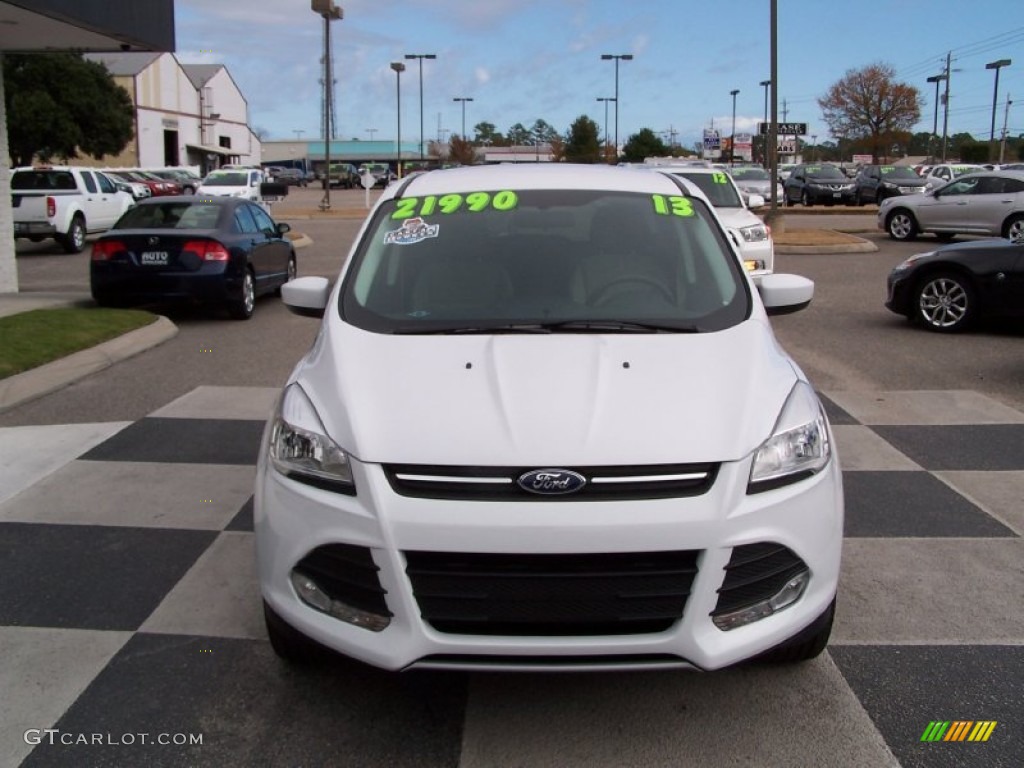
831	196
293	519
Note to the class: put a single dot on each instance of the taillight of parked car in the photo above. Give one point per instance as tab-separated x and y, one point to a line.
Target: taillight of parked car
51	207
104	250
207	250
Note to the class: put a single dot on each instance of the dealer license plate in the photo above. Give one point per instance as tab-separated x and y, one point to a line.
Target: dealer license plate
155	258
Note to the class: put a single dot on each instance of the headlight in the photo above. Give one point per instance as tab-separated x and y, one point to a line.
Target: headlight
908	263
754	233
889	185
300	448
799	445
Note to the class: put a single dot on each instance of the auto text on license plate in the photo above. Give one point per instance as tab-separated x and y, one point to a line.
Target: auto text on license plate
156	258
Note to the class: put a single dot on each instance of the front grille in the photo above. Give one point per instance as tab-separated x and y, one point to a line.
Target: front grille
612	483
551	595
756	572
346	573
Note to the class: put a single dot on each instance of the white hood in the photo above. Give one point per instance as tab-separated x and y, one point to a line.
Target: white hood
559	399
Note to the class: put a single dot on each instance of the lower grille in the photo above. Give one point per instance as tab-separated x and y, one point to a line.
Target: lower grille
551	595
346	573
755	573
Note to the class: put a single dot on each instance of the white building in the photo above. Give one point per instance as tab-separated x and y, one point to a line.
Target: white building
185	114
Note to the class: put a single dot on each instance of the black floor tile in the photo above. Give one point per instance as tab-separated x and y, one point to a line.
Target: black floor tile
243	520
189	441
835	414
90	577
914	504
991	447
904	688
253	710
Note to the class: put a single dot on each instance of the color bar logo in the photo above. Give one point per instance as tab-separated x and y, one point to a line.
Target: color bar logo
958	730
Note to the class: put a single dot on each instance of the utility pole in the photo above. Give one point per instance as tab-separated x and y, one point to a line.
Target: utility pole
1006	120
945	110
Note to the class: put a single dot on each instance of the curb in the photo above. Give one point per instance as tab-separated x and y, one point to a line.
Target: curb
863	246
57	374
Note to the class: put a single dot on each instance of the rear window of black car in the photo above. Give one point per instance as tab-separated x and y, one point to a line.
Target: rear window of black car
171	215
43	180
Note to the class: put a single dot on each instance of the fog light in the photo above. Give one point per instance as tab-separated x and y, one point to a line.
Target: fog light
782	599
312	595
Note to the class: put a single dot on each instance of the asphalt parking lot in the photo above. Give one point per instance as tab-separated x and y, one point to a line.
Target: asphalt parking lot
129	607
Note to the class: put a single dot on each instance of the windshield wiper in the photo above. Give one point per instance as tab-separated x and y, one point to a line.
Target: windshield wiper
562	326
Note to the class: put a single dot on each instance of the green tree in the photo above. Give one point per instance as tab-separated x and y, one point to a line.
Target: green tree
486	133
642	145
518	134
868	103
581	143
60	105
543	132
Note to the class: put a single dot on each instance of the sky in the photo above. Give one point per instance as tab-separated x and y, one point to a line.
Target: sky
524	60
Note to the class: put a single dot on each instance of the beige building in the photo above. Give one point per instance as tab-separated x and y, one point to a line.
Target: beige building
185	114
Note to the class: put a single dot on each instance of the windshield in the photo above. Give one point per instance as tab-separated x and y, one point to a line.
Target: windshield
899	172
716	186
544	261
176	215
749	174
824	172
226	179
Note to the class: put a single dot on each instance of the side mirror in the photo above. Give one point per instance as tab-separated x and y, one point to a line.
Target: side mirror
755	201
306	296
784	294
283	228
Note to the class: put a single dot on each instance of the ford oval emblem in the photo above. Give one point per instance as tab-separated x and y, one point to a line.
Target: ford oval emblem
551	482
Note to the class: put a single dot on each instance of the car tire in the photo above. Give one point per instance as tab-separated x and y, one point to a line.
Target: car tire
879	197
944	302
1013	230
74	240
858	200
807	644
805	199
901	225
293	271
288	643
242	307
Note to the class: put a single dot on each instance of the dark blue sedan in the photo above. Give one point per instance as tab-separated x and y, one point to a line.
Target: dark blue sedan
220	251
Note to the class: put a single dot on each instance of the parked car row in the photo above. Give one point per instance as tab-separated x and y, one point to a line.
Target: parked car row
156	182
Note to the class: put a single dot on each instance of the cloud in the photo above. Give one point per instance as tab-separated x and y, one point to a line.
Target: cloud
482	76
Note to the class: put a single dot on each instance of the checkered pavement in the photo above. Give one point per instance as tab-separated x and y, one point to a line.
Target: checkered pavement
130	612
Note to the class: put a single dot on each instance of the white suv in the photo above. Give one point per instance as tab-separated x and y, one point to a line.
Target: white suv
752	236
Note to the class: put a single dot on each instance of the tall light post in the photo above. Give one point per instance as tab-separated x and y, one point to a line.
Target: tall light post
764	136
732	138
372	131
421	57
617	57
935	118
606	99
399	68
463	99
327	10
996	65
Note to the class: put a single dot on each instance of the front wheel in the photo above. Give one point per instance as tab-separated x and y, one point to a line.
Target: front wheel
805	199
74	240
901	226
242	307
1014	229
944	302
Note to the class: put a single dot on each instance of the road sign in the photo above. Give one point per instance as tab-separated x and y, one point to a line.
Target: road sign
785	129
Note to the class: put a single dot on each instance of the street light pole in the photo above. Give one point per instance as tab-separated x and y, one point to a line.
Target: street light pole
463	99
935	118
399	68
421	57
732	138
945	108
996	65
764	136
605	99
329	12
617	57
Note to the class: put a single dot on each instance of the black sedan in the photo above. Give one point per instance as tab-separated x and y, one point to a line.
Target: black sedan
222	251
950	287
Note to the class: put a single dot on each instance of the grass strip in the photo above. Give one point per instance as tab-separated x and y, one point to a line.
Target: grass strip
30	339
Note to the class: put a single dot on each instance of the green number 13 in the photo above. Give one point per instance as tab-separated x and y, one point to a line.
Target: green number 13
674	205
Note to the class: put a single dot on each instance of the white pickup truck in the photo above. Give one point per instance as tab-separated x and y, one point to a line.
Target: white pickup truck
65	203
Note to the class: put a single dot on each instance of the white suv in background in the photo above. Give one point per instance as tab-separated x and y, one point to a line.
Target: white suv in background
752	236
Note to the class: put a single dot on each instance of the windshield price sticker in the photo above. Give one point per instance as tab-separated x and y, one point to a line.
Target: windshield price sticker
674	205
474	202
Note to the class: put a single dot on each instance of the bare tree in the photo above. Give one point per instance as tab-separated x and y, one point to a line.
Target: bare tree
868	104
461	151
